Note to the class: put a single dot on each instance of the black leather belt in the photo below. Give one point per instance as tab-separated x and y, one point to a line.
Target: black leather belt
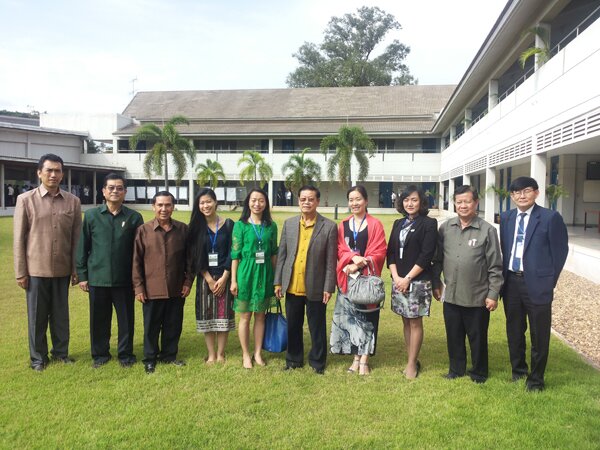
517	274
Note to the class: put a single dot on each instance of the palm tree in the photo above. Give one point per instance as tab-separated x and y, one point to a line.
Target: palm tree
165	140
542	52
303	171
256	168
210	173
350	141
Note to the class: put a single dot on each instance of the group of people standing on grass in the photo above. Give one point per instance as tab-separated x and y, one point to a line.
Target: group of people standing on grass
241	268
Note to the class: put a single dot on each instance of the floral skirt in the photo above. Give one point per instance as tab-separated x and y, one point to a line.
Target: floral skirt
415	303
213	314
353	332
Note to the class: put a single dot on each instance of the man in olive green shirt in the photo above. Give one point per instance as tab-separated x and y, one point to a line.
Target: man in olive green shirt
468	252
104	263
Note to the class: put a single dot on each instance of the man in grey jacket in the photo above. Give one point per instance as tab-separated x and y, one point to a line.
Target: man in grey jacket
305	272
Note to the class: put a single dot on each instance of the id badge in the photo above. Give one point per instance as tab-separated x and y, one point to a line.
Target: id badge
401	252
260	257
213	259
519	250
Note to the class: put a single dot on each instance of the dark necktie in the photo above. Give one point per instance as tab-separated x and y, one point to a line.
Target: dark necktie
516	265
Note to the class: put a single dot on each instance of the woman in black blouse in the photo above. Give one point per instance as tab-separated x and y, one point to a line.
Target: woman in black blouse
209	240
411	248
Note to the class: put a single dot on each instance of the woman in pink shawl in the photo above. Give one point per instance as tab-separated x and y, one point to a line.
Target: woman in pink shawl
361	241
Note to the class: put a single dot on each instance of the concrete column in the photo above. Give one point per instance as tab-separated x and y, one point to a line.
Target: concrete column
567	172
2	193
270	185
440	199
490	196
450	194
492	94
85	146
115	146
452	134
69	180
468	118
94	188
540	42
191	192
467	179
538	172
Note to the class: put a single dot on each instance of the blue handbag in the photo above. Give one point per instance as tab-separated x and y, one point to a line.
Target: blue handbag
275	340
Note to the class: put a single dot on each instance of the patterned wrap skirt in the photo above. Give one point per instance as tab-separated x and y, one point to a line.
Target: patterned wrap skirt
353	332
415	303
213	314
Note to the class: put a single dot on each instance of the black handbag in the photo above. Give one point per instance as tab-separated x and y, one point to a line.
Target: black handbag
275	339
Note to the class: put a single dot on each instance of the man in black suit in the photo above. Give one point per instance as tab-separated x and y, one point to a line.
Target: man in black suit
305	272
534	250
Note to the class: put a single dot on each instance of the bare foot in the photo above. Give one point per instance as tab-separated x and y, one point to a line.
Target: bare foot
221	358
209	360
258	360
247	361
364	369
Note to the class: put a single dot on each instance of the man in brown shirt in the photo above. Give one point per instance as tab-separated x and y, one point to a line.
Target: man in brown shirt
161	279
47	223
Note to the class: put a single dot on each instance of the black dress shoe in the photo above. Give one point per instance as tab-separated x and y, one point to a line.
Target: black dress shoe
175	362
319	371
38	367
518	376
63	359
534	387
478	380
149	367
126	364
452	376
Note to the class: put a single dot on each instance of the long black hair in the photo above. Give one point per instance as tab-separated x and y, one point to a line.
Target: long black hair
197	231
266	215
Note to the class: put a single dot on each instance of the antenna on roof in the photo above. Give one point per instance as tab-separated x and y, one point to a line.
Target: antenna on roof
132	93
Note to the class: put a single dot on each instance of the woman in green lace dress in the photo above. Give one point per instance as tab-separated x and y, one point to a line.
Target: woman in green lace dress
253	260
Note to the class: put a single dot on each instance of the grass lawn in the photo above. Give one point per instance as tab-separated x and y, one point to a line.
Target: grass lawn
225	406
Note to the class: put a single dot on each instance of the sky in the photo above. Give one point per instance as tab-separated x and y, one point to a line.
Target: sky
82	55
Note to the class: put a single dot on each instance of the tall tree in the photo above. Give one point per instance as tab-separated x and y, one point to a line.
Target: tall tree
345	58
165	141
210	173
349	142
255	168
302	171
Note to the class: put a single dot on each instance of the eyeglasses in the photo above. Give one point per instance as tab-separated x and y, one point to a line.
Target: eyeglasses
111	188
525	191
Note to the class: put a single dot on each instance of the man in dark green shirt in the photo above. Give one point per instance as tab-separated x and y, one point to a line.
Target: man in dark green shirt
468	253
104	262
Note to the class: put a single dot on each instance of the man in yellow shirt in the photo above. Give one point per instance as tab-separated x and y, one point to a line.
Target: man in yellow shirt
305	272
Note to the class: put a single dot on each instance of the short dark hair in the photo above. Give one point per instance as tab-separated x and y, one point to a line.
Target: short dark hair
50	157
464	189
310	187
521	183
423	202
114	176
163	194
360	189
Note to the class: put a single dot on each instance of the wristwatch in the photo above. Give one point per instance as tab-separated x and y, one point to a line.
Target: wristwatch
408	277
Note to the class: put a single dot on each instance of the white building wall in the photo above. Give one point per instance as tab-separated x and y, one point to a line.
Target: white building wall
100	126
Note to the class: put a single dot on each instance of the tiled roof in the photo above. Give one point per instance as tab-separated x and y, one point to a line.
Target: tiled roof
311	110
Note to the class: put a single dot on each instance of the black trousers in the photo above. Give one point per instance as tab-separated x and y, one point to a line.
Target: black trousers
47	304
316	313
473	323
162	318
518	308
102	300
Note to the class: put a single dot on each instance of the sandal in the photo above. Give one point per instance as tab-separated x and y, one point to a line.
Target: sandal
366	369
354	367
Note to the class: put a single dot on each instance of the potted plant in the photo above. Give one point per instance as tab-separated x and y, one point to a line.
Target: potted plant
554	192
502	194
543	52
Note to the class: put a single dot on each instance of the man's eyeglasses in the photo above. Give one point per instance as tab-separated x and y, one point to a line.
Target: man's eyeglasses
111	188
525	191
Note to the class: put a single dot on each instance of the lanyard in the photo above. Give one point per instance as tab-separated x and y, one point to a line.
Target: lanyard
406	226
213	240
262	231
354	232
